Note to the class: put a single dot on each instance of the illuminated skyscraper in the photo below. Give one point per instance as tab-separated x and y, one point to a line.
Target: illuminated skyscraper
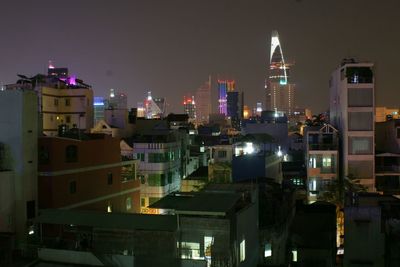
98	108
224	86
189	106
203	102
152	110
279	91
117	100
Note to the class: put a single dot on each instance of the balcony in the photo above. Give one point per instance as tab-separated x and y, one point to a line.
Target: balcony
322	147
388	169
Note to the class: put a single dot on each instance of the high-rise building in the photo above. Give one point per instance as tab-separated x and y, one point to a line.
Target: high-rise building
224	86
141	111
352	106
279	91
189	107
235	107
117	100
152	109
98	109
203	102
162	104
246	112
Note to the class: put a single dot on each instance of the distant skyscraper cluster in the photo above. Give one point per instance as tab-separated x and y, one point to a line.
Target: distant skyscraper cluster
279	90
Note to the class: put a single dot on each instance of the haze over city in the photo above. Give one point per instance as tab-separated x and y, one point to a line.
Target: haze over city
172	46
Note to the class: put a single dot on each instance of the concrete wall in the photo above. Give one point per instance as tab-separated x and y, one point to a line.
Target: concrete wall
247	229
96	160
19	133
363	238
7	204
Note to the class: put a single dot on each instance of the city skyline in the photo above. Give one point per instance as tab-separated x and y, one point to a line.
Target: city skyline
139	47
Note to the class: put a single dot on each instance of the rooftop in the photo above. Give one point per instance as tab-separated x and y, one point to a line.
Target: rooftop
126	221
199	203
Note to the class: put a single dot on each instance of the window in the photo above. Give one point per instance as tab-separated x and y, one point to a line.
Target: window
361	121
56	102
72	187
68	102
360	97
43	155
359	75
170	175
109	178
360	145
109	207
142	202
140	156
159	157
190	250
153	200
68	119
71	153
294	255
208	242
326	162
222	154
398	132
360	169
30	209
268	250
242	252
128	203
156	179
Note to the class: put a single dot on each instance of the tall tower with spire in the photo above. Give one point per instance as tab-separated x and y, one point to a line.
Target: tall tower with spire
279	90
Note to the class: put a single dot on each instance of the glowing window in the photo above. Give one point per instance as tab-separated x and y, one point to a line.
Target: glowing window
242	250
294	254
128	203
326	162
268	250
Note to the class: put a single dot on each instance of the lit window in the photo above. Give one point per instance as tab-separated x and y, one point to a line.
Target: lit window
109	207
128	203
268	250
242	250
294	254
190	250
326	162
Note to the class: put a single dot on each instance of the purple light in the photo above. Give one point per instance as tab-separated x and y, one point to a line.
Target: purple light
72	80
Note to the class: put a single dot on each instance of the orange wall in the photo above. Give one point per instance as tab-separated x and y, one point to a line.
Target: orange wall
54	191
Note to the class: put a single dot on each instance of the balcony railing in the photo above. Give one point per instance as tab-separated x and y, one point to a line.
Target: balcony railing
322	147
388	169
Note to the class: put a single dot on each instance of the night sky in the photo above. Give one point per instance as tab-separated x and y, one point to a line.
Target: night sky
170	47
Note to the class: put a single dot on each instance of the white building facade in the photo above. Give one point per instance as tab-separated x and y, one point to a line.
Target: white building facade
159	170
352	107
18	158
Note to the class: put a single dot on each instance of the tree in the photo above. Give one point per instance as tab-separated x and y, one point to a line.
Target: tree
335	193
